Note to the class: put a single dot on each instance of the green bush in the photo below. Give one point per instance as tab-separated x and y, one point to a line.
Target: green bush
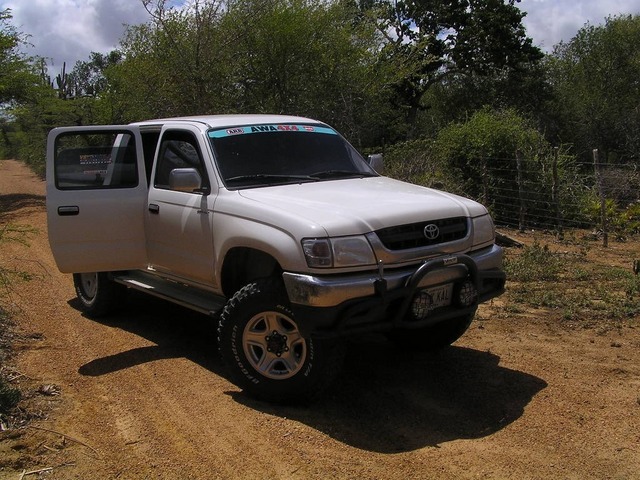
535	264
621	221
415	162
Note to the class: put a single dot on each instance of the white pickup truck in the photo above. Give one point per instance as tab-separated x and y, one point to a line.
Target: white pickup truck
277	228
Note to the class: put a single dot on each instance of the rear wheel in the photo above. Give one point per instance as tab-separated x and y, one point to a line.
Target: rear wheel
97	293
432	338
268	356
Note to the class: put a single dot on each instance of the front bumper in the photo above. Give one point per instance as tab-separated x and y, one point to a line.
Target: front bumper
336	305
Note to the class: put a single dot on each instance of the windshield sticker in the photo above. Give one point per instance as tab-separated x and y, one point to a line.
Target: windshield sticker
229	132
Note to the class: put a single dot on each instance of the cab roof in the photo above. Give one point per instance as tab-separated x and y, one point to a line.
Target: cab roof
222	121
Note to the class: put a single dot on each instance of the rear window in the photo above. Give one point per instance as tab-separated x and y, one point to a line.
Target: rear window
95	161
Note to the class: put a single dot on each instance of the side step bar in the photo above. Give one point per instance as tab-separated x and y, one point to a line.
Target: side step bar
190	297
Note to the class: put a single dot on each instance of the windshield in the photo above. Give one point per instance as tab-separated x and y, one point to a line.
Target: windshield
261	155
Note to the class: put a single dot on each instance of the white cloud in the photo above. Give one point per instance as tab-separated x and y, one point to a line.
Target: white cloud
550	21
69	30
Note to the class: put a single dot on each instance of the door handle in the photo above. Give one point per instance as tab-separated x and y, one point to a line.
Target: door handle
69	210
153	208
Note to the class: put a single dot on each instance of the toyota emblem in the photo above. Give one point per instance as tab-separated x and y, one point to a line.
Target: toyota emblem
431	231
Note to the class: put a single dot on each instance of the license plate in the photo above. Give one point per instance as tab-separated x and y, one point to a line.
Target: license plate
440	296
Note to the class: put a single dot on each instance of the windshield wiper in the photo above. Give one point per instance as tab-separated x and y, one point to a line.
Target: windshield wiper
269	176
340	173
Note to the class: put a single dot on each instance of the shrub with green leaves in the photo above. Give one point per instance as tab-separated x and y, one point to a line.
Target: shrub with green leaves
535	264
621	221
415	162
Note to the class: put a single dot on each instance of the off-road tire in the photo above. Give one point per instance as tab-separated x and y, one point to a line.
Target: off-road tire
97	293
266	354
432	338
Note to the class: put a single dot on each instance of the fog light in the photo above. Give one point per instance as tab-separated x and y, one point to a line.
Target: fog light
467	294
421	305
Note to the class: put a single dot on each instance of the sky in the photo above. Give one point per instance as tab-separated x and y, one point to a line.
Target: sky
69	30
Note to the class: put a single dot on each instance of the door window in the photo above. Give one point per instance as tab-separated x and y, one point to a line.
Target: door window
96	161
178	150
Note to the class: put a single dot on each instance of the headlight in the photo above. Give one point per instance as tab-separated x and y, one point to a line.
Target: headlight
483	230
338	252
317	251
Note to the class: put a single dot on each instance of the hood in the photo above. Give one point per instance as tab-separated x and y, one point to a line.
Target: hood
356	206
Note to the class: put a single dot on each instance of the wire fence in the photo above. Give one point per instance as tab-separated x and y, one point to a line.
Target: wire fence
555	193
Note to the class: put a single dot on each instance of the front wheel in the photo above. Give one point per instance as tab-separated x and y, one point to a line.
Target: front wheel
268	356
97	293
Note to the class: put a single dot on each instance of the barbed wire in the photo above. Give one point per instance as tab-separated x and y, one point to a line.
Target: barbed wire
533	192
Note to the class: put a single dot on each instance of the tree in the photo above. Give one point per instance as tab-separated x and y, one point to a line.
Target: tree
595	78
298	57
17	76
21	83
88	79
306	57
449	41
32	102
176	64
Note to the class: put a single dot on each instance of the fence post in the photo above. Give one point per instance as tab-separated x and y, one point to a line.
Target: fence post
555	197
520	196
603	200
485	182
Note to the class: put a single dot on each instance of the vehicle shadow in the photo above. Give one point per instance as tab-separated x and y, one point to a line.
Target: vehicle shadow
386	400
175	331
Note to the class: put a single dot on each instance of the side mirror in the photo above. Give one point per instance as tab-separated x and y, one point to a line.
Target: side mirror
185	180
377	162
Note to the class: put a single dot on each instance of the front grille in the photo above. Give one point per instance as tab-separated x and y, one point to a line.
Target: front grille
412	235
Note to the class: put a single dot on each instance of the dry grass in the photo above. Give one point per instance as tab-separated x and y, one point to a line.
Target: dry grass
576	279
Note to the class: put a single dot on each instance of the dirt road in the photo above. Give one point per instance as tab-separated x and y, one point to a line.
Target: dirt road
143	394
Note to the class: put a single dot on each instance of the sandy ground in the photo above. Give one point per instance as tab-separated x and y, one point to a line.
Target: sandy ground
143	395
